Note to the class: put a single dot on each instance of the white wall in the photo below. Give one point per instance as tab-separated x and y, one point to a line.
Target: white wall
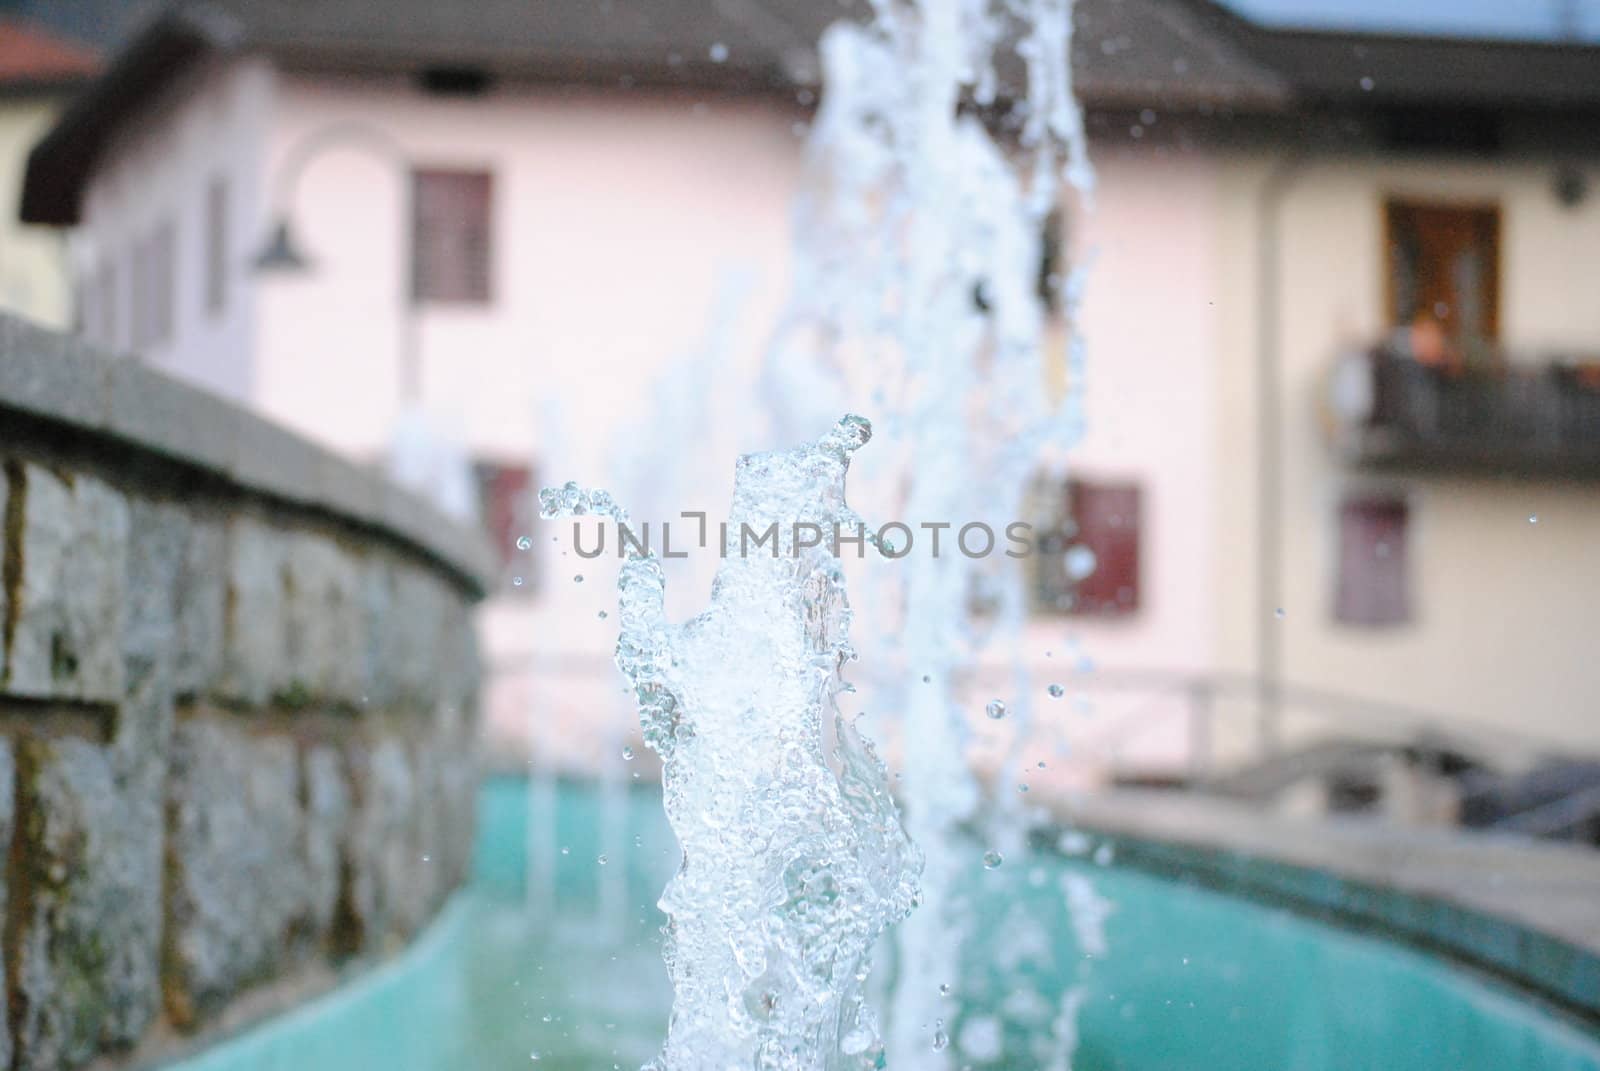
620	217
210	124
1149	321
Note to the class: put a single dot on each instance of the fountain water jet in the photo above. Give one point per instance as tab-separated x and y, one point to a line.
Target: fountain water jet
918	297
791	868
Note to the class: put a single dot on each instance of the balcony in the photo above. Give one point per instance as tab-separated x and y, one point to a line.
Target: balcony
1390	412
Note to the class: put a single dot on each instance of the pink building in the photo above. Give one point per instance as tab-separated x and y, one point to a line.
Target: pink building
516	227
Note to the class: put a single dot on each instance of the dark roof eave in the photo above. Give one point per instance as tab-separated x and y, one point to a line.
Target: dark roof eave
48	85
550	69
1117	96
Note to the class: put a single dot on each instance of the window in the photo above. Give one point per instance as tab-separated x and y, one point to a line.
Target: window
216	251
163	283
151	277
1372	587
104	326
451	236
1444	265
1087	561
139	272
506	504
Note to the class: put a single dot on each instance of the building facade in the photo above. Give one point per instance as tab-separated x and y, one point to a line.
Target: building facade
531	244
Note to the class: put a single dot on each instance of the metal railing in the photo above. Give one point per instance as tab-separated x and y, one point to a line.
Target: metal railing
1542	419
1183	726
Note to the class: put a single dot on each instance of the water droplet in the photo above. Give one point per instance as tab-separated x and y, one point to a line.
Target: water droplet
996	709
1080	562
1056	691
604	615
1366	84
534	1056
944	989
524	543
578	579
627	753
427	859
601	860
516	581
1279	613
566	851
941	1040
992	859
719	52
926	679
1533	518
1041	764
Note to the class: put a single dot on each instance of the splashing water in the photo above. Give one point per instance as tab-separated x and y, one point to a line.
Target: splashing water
791	869
917	295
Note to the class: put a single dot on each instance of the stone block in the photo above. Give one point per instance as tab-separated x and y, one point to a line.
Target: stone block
389	879
8	800
238	892
295	621
201	589
65	571
327	814
324	626
419	645
175	592
255	655
87	905
158	539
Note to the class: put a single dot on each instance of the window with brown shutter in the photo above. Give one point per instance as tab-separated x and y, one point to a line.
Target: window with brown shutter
1373	588
1087	555
451	236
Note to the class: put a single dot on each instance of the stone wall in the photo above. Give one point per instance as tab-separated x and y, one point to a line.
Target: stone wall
238	691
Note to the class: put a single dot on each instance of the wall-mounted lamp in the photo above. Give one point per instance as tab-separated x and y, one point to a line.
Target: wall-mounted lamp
281	254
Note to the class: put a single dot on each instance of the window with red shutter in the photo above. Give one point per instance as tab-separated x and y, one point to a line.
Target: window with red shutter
451	236
1087	558
1372	587
506	504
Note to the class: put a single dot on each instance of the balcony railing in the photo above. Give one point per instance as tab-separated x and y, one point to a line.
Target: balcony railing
1538	420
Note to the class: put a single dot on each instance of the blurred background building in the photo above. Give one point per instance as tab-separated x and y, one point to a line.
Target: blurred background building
1340	479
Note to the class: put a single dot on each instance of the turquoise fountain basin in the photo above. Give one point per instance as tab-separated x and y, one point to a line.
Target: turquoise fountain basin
1191	980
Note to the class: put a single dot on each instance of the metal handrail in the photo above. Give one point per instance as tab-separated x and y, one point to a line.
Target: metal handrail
1202	694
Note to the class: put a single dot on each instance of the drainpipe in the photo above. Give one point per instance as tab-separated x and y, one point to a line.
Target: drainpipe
1269	447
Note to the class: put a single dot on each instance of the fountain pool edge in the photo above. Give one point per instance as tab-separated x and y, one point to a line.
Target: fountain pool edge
1522	911
377	997
422	1010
